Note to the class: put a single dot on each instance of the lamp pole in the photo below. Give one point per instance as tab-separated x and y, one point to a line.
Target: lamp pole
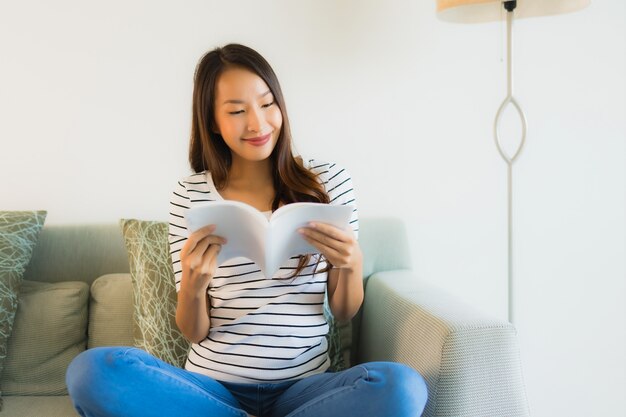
509	6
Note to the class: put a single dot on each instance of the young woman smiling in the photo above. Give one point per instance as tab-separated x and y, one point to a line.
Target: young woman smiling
258	343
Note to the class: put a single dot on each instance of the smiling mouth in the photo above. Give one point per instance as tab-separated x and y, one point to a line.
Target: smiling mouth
259	141
259	138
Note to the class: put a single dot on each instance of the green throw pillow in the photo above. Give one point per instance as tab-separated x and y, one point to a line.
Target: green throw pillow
154	293
337	351
19	231
50	329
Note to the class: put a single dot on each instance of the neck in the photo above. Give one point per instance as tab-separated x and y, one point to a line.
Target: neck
250	174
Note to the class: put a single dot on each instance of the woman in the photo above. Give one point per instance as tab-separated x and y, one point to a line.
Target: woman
258	343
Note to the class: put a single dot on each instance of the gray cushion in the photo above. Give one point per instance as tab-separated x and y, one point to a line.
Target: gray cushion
111	311
50	330
77	252
29	406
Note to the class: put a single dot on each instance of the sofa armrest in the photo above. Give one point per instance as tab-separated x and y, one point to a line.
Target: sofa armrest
470	362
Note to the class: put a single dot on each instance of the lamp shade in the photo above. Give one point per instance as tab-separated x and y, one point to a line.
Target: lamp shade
478	11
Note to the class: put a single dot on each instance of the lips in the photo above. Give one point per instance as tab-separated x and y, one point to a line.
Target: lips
260	140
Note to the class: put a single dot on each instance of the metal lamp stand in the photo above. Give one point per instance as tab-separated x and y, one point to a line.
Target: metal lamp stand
509	7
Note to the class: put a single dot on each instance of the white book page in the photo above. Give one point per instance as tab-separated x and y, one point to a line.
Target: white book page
268	243
243	226
283	237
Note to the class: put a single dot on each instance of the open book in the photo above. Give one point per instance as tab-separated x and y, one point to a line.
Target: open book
268	243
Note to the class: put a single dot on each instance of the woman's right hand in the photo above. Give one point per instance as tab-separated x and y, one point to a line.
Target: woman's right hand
198	259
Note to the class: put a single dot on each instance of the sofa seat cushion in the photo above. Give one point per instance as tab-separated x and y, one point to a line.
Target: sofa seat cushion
111	311
38	406
50	329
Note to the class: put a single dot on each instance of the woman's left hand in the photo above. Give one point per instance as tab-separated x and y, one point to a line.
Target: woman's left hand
339	247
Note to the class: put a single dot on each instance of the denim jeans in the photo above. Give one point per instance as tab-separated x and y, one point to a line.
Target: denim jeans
126	381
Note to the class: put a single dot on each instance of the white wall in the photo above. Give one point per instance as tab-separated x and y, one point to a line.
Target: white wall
94	121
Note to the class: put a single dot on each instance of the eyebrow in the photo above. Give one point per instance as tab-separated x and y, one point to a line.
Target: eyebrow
243	102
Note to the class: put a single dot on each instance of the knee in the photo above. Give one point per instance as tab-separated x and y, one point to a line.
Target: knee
81	368
92	369
403	388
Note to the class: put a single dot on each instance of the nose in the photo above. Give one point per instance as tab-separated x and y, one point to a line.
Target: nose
255	121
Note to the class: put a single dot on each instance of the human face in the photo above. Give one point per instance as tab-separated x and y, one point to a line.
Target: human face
246	115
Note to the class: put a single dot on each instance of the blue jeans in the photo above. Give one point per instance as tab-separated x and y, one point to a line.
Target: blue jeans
126	381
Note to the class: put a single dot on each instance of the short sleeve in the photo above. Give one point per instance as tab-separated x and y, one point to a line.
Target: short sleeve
338	185
179	203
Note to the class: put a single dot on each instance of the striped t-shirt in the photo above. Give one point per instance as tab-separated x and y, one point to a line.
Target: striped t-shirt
262	330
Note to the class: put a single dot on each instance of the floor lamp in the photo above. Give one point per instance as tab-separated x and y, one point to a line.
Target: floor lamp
478	11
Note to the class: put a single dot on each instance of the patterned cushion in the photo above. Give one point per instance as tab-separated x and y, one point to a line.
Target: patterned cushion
49	331
336	350
154	293
19	231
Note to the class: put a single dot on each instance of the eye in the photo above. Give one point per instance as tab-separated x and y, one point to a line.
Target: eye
268	105
235	112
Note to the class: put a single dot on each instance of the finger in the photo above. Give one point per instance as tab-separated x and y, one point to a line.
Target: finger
207	242
318	241
196	237
322	245
197	250
211	252
322	238
330	230
203	252
315	240
209	258
201	244
203	232
215	239
332	255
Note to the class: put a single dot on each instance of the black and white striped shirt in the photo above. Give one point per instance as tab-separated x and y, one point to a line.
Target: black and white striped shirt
262	330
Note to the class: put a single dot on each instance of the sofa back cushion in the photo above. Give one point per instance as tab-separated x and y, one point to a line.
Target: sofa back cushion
77	252
50	329
385	247
111	311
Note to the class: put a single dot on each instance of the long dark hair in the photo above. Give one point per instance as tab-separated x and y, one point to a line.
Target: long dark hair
208	151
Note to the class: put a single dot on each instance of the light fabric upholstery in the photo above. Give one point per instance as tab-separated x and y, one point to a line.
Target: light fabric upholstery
385	247
111	311
154	293
38	406
77	253
384	243
471	362
19	231
49	331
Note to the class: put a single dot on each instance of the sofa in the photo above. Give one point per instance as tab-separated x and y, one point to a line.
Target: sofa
471	361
